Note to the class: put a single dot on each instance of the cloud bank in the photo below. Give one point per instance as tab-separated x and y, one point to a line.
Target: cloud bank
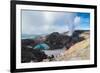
43	22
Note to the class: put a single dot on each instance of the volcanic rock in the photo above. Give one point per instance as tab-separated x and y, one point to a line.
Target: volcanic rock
57	41
30	54
28	42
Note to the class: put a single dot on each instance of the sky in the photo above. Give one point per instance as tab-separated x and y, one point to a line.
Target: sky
44	22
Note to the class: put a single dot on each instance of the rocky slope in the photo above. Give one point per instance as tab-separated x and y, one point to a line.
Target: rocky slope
62	47
79	51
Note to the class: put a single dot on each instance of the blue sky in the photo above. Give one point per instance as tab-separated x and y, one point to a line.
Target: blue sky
43	22
85	20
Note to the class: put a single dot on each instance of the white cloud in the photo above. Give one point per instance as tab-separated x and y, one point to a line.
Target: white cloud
36	22
48	19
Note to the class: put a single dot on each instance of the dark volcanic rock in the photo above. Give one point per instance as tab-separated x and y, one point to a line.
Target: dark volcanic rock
30	54
58	41
75	37
28	42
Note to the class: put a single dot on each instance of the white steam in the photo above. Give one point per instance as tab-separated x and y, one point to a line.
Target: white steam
70	19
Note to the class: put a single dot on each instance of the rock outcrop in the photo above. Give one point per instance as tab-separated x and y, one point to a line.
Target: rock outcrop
57	41
30	54
28	42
